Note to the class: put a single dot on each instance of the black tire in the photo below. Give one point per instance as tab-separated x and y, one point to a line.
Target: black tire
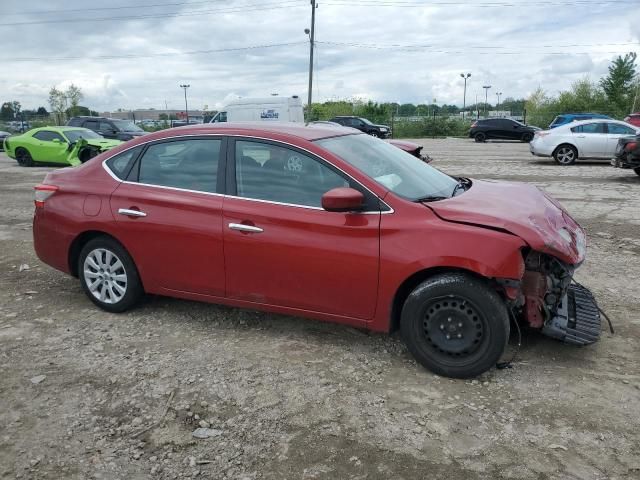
480	137
637	170
107	296
455	325
565	154
23	157
527	137
375	134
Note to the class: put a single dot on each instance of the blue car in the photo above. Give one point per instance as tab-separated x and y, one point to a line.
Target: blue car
574	117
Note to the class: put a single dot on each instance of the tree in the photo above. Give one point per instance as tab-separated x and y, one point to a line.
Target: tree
77	111
58	103
6	111
618	85
42	112
74	96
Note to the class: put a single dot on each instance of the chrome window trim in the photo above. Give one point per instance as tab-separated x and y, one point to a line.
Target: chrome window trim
118	179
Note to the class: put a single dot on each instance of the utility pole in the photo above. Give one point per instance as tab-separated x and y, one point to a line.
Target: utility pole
464	97
498	94
311	34
186	108
486	98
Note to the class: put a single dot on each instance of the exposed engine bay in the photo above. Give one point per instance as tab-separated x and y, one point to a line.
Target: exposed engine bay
549	300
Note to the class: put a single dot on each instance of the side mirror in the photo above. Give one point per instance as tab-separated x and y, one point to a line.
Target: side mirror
342	199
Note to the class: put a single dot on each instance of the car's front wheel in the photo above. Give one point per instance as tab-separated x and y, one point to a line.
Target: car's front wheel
108	275
480	137
455	325
566	154
23	157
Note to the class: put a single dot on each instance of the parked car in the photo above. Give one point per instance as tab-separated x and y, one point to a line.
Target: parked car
412	149
109	127
3	135
269	109
576	117
364	125
633	119
327	224
580	140
409	147
628	153
63	145
501	128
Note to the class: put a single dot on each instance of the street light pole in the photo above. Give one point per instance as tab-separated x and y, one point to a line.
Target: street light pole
186	107
498	94
464	97
311	34
486	97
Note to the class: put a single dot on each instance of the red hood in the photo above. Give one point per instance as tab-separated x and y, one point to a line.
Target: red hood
404	145
520	209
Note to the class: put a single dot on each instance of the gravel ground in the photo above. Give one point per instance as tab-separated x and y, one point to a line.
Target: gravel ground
87	394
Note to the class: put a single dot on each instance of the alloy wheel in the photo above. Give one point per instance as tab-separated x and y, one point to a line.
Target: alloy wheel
105	276
566	155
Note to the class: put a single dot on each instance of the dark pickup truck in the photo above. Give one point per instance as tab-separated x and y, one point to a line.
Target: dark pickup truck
628	154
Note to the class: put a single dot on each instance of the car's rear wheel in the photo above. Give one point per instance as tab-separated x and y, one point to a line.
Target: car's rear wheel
566	154
23	157
108	275
455	325
480	137
526	137
637	170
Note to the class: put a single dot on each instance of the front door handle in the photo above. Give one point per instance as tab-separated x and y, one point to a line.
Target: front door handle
581	136
131	213
241	227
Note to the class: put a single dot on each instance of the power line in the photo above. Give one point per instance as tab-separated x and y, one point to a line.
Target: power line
236	9
122	7
153	55
483	4
429	47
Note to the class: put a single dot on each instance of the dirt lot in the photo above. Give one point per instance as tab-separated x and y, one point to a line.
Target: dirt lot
290	398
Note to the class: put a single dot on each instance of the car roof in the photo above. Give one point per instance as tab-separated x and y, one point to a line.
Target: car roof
306	132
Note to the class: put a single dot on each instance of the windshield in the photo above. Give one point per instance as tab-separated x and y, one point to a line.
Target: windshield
127	126
366	121
391	167
74	135
558	119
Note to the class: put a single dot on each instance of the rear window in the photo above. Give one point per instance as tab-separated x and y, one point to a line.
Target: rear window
121	164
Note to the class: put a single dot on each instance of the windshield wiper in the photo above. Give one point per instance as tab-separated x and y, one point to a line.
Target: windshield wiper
429	198
463	184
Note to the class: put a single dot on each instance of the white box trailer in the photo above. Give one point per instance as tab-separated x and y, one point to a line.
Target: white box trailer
269	109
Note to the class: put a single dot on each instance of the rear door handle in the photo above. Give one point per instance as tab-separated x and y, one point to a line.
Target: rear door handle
581	136
241	227
131	213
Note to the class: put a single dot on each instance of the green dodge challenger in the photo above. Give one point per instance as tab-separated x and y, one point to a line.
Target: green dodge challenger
63	145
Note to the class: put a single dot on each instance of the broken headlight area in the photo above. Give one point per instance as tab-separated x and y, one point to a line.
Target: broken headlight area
549	301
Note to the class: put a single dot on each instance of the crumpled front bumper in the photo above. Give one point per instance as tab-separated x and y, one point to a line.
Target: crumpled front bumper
577	319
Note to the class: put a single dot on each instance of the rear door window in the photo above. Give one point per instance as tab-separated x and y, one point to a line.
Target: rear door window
91	125
589	128
190	164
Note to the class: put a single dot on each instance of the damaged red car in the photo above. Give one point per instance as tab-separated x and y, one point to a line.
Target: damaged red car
319	223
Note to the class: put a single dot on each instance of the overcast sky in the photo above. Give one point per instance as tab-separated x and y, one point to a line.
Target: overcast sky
409	51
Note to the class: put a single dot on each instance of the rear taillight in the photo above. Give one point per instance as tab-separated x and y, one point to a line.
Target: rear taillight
542	133
42	193
630	146
474	124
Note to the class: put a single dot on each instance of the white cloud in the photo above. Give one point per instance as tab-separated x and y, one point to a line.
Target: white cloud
512	49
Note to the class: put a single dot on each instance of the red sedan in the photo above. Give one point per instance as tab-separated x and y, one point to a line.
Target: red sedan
308	221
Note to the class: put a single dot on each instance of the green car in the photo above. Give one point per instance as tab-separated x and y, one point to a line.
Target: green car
63	145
